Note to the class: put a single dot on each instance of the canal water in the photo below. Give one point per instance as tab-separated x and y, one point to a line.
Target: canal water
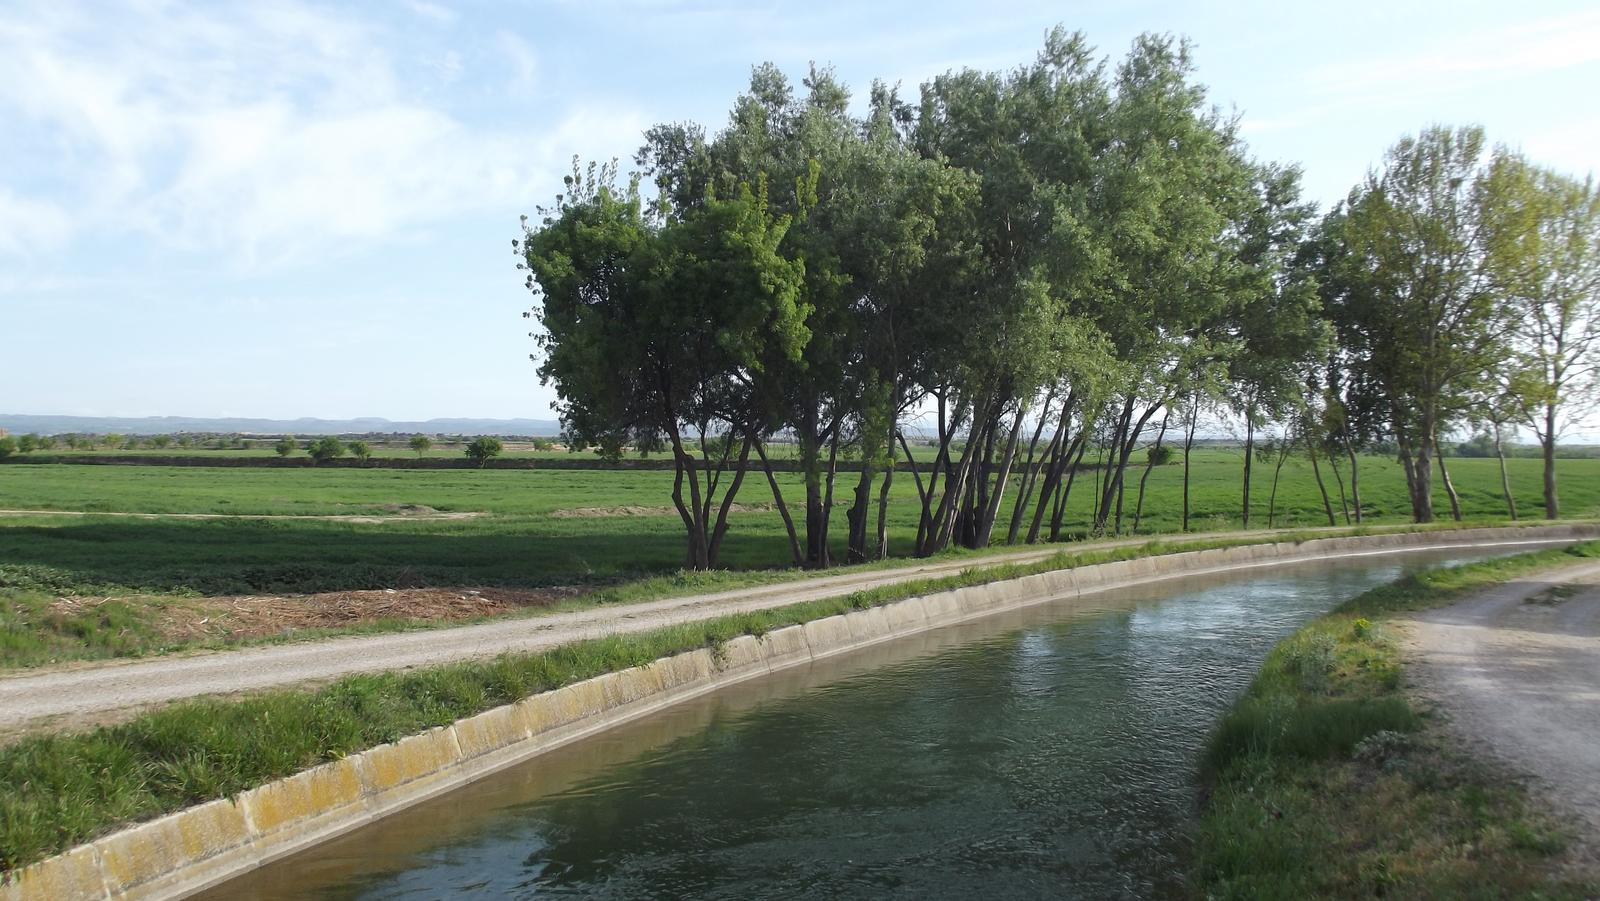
1039	753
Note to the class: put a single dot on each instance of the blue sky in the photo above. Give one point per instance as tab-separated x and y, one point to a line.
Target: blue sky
287	209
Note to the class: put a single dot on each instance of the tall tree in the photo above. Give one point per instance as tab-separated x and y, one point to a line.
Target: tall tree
1544	241
650	323
1421	289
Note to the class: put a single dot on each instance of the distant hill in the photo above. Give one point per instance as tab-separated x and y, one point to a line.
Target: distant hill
20	424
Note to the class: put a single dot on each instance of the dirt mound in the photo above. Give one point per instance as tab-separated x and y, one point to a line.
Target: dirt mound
252	616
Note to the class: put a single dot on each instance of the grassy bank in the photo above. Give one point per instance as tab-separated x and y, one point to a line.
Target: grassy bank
1325	780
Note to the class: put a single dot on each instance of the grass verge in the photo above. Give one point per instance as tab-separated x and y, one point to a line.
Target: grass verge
1325	781
35	631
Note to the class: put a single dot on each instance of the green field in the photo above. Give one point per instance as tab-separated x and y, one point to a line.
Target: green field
518	542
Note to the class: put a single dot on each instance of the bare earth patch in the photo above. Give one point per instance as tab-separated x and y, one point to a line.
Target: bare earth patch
392	513
629	510
247	617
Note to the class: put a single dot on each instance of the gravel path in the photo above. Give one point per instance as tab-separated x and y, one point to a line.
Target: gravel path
1517	668
82	694
86	694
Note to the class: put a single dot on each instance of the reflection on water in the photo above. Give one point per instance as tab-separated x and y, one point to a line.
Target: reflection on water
1046	752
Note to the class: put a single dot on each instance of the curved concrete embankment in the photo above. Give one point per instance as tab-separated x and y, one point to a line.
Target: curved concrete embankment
197	848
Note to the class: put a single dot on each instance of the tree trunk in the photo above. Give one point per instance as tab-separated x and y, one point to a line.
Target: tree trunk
1355	480
1002	476
720	531
881	544
1138	507
1188	448
1032	465
1505	479
1338	479
783	508
1327	505
1450	489
1249	454
1547	442
1277	471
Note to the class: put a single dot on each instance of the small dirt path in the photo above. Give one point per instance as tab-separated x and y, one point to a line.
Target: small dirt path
400	515
1517	670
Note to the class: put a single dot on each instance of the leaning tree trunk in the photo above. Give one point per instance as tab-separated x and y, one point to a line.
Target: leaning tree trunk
1249	454
1327	505
1277	472
1355	479
1138	507
1552	502
1505	478
795	550
1450	489
1188	448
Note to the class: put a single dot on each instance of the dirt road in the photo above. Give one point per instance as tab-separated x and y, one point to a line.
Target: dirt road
94	693
1517	669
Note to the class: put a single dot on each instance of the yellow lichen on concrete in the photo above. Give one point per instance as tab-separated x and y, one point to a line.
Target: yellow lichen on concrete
549	710
75	874
907	615
629	685
313	793
491	731
390	766
132	857
827	634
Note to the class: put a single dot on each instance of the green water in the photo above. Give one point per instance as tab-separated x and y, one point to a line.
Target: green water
1045	753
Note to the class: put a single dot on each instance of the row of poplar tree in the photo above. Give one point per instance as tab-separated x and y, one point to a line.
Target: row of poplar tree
1075	253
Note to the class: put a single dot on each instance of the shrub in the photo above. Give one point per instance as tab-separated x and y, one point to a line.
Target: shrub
361	450
484	447
285	446
421	444
8	446
1159	455
28	443
325	448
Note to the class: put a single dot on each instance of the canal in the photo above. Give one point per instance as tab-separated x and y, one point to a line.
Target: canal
1038	753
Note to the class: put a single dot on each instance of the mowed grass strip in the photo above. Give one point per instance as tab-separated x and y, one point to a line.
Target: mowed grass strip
1326	781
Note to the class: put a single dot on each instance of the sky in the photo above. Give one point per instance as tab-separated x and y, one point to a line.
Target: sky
285	209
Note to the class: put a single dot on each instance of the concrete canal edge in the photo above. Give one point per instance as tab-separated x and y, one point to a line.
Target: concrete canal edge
197	848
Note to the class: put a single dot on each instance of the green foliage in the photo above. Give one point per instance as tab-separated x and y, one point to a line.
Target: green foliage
8	446
1159	454
421	444
325	448
285	446
28	443
361	450
483	448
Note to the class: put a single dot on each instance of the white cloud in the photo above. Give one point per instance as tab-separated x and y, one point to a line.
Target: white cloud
1552	43
274	131
522	62
432	11
28	225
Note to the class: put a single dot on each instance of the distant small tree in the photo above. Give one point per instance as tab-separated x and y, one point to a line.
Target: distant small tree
361	450
543	444
484	447
325	448
28	443
47	442
160	442
1159	455
421	444
246	444
113	440
8	446
285	446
